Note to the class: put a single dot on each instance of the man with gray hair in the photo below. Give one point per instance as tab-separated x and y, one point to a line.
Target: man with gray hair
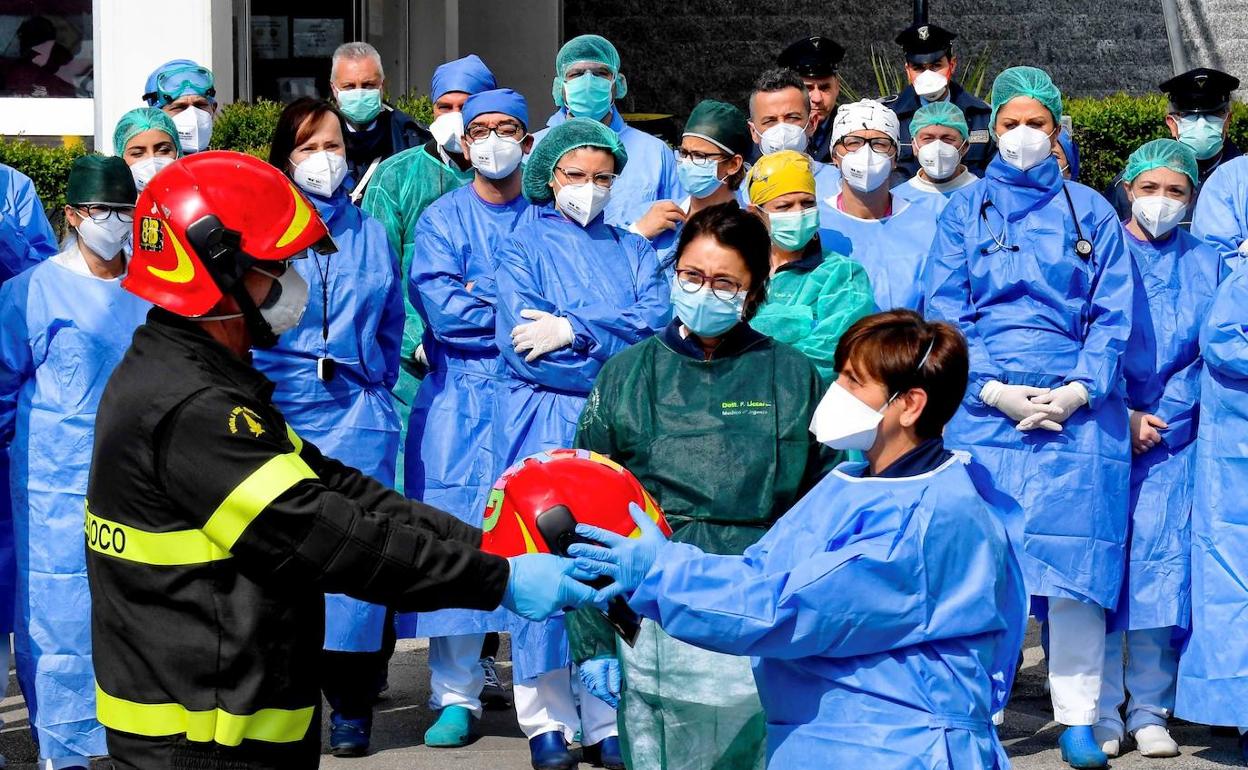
375	130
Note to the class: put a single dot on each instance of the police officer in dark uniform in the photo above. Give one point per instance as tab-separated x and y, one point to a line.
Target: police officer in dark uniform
1200	117
930	68
815	60
212	529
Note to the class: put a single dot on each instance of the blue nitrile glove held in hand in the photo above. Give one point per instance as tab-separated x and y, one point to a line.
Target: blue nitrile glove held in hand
542	584
625	560
601	678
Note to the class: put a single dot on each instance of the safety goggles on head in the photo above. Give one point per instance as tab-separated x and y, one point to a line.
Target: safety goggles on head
179	81
99	212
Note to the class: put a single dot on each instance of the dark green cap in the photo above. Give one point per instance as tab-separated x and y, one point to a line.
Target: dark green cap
100	179
721	124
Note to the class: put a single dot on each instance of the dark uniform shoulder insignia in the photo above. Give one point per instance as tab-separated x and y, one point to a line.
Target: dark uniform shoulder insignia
247	419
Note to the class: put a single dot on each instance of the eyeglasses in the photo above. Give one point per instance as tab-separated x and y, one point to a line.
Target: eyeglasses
879	143
505	130
699	158
99	212
692	281
576	176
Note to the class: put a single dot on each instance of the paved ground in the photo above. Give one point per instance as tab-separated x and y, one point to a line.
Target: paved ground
402	717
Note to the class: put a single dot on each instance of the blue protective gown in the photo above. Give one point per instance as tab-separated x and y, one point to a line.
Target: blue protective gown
450	463
61	335
1042	316
1212	687
1175	282
892	250
649	176
884	616
352	417
1221	216
26	237
608	284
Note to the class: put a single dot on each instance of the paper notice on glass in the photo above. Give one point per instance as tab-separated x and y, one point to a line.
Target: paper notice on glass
317	38
270	37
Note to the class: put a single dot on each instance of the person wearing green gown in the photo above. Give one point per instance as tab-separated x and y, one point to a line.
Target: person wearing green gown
815	294
712	417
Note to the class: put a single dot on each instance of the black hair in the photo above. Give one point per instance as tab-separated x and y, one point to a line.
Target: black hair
778	79
744	233
295	126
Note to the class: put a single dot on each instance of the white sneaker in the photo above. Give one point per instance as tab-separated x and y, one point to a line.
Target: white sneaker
1108	739
1155	741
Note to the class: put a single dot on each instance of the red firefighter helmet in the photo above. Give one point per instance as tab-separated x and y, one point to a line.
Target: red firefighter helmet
204	220
534	505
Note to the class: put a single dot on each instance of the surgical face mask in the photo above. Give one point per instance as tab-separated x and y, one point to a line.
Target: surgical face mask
783	136
842	421
588	96
321	173
105	239
699	181
1203	133
865	169
792	230
360	105
702	312
931	85
1157	214
582	203
283	308
194	129
1024	147
447	129
144	170
495	157
939	160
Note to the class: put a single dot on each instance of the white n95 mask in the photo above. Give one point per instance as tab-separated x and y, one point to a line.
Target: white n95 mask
145	169
446	130
939	160
931	85
843	421
783	136
1024	147
495	157
321	173
865	169
194	129
1157	214
283	308
582	202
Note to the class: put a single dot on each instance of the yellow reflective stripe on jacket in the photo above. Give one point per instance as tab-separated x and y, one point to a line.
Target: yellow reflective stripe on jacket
166	549
158	720
262	487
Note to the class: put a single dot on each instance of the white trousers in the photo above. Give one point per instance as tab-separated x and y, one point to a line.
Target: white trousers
455	673
548	702
1076	659
1148	674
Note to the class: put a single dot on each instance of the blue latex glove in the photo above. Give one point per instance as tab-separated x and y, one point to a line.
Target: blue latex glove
625	560
542	584
601	678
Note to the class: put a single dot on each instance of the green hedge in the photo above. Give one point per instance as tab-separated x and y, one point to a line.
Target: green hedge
1107	129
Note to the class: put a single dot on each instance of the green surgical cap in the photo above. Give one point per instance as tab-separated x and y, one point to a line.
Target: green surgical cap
143	119
722	124
939	114
100	179
1025	81
587	48
1162	153
567	136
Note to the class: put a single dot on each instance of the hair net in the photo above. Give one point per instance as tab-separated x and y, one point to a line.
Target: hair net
939	114
721	124
1025	81
142	119
569	135
501	100
1162	153
780	173
468	75
591	48
865	115
1071	149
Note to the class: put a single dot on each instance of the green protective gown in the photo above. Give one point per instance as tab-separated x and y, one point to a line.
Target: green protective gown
812	301
724	447
401	189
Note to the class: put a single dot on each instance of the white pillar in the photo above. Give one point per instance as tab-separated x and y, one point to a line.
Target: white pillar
133	37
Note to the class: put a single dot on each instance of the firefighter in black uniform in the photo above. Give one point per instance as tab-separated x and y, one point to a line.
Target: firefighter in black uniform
815	60
212	529
930	68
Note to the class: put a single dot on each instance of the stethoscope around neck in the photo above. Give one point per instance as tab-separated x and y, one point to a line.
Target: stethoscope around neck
1083	247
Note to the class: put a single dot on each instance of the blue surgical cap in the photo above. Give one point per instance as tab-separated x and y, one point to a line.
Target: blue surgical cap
468	75
501	100
175	79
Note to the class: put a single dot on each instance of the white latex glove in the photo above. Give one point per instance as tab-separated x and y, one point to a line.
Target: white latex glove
1015	402
1067	399
419	355
546	334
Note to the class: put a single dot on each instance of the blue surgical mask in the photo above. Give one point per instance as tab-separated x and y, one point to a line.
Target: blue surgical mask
588	96
792	230
1203	133
698	181
360	105
703	313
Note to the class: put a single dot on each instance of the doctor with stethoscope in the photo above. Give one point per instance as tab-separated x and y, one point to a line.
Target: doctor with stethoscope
1035	271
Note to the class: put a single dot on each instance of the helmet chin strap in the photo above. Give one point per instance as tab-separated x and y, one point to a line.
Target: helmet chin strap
262	335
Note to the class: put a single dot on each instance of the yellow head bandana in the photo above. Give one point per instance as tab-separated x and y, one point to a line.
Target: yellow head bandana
780	173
